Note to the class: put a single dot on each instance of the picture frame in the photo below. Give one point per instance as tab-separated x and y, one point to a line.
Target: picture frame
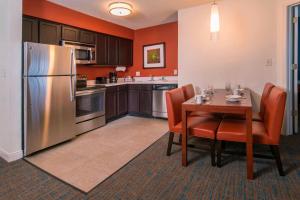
154	56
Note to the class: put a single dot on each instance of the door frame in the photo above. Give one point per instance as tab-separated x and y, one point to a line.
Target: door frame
292	76
283	57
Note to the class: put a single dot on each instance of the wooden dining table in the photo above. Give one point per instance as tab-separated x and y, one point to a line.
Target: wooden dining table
217	103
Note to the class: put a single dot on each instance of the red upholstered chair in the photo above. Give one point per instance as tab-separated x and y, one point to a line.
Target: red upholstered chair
189	92
266	132
205	127
256	116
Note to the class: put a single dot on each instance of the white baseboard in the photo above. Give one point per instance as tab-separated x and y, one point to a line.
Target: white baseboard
9	157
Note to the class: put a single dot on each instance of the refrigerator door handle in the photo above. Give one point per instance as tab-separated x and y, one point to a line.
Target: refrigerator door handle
73	76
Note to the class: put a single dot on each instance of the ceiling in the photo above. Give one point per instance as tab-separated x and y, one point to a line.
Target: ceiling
146	12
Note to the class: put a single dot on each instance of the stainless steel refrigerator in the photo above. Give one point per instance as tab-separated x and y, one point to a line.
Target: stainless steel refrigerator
49	95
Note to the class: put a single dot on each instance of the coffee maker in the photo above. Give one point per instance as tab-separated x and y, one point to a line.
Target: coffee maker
113	77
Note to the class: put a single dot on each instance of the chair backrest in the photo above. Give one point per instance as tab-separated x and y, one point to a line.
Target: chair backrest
174	99
274	113
188	91
267	89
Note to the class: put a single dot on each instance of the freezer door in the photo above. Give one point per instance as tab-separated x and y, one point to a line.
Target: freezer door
48	60
49	111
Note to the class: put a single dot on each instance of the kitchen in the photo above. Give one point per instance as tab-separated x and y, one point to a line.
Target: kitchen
171	101
113	92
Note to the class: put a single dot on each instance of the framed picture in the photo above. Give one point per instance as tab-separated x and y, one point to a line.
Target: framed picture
154	56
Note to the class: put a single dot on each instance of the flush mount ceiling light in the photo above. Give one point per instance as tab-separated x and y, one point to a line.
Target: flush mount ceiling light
214	18
120	8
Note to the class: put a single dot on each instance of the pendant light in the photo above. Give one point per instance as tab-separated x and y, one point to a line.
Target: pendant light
214	18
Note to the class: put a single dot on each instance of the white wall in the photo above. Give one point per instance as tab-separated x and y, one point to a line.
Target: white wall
246	41
10	79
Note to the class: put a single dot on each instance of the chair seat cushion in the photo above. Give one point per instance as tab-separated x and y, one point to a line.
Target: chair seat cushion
191	121
206	128
235	131
255	117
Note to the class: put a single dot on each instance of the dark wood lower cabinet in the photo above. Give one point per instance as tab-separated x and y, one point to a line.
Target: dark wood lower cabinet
146	102
122	99
133	101
110	103
140	100
128	99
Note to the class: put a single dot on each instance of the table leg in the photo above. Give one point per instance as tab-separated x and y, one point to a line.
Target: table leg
184	138
249	145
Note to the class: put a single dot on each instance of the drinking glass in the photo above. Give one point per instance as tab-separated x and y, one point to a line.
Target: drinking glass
228	86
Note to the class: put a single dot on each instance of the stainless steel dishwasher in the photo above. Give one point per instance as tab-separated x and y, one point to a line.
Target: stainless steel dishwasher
159	107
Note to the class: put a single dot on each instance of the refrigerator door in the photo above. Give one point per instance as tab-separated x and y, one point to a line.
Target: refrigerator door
49	111
48	60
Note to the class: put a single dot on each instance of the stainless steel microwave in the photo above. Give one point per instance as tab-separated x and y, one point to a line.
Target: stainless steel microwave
84	53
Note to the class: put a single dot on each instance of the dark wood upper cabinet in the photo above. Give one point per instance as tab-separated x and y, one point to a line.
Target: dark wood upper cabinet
113	52
49	33
87	37
125	52
101	43
70	33
30	30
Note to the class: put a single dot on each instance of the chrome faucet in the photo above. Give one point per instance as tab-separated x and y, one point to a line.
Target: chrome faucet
152	78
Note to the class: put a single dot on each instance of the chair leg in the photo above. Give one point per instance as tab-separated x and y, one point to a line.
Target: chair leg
180	139
219	152
213	152
171	137
223	145
276	153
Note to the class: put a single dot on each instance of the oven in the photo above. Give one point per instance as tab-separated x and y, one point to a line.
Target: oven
84	53
90	109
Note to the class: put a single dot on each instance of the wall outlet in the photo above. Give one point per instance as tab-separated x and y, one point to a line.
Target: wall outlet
175	72
269	62
137	73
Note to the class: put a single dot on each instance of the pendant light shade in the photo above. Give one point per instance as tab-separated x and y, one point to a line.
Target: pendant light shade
214	19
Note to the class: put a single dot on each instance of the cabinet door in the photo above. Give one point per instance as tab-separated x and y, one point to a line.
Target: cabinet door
125	52
30	30
70	33
50	33
87	37
146	102
113	44
122	101
111	103
101	44
133	101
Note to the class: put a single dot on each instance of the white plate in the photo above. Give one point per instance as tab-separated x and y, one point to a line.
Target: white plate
233	100
233	97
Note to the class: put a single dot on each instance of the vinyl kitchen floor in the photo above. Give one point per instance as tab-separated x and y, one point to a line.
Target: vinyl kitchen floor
92	157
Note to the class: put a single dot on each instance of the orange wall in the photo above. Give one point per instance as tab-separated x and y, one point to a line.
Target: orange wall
167	33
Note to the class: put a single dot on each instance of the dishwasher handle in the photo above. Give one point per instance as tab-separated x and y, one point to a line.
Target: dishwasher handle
164	86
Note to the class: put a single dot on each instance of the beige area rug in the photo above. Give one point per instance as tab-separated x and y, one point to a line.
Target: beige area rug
92	157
